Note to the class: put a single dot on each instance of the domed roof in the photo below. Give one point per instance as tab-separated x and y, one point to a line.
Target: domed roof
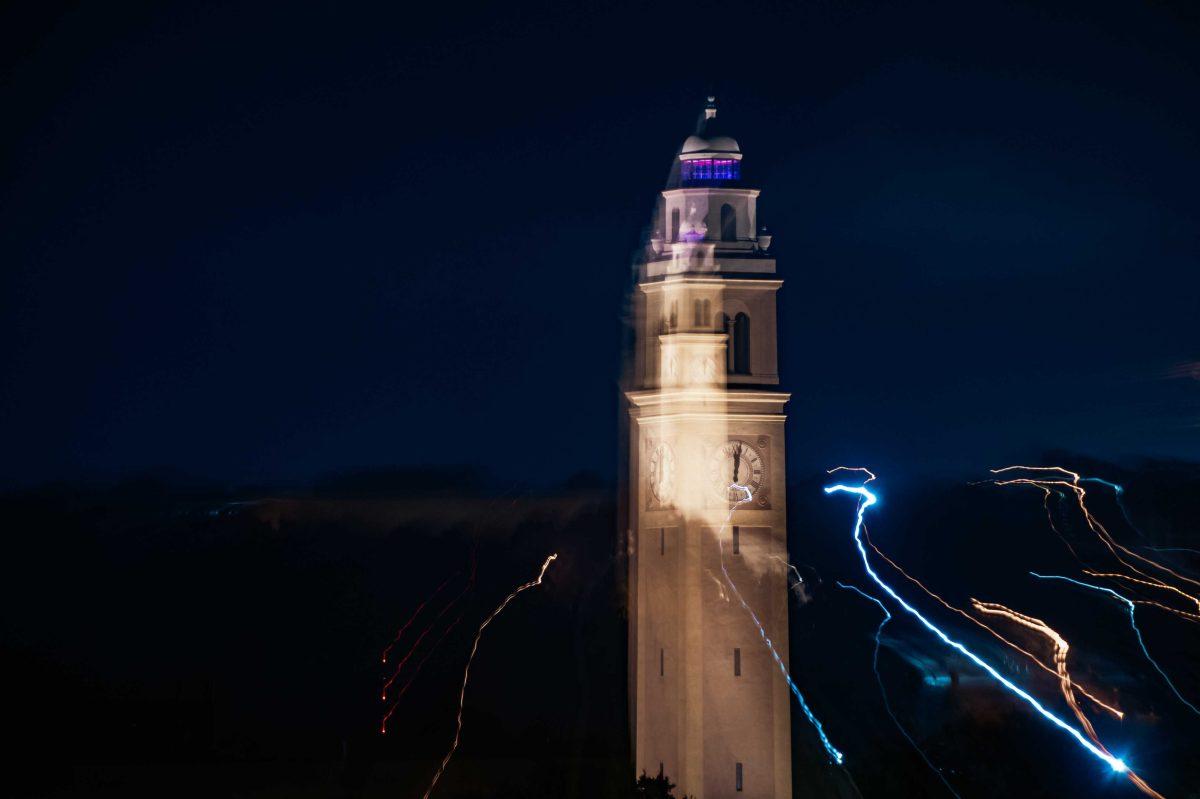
713	144
710	136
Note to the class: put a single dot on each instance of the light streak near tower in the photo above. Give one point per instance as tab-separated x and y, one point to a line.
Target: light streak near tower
867	499
830	749
462	694
799	587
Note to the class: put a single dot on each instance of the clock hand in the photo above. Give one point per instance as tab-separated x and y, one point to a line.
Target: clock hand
737	461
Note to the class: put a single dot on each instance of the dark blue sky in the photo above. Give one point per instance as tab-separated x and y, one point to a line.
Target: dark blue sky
273	242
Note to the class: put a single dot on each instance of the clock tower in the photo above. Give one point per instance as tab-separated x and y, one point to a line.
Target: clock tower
708	705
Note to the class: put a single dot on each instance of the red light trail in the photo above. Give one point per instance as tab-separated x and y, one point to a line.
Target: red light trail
416	613
416	671
429	627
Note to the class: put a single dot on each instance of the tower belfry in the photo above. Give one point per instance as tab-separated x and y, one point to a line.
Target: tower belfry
708	705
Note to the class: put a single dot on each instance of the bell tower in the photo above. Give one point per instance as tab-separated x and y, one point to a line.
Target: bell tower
706	423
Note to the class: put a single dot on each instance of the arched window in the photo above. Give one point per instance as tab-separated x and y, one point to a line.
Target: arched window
675	225
738	346
741	344
728	223
701	311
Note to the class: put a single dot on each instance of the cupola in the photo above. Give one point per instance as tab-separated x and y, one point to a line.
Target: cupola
709	156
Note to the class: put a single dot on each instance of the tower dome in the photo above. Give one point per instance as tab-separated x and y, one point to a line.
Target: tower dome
709	155
697	146
710	139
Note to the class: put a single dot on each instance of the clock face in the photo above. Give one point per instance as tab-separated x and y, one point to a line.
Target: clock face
735	467
662	473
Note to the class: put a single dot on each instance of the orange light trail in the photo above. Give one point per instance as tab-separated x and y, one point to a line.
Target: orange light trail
1061	648
1060	478
1132	606
462	694
720	585
1115	712
1151	584
870	474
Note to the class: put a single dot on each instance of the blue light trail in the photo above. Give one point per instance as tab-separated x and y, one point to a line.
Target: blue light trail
812	719
887	616
1132	623
869	499
1175	549
1118	490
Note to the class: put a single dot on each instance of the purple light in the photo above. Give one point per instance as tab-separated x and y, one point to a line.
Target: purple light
699	169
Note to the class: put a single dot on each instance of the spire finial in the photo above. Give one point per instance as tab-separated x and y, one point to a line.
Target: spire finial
710	108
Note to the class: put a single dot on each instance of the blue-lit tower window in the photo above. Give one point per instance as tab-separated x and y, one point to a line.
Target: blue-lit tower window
711	169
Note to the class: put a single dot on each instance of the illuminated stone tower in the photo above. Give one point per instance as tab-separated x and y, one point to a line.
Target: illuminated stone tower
708	705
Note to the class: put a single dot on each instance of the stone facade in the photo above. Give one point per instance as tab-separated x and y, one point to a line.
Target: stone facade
708	704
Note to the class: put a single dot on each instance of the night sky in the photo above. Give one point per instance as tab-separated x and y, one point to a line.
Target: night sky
284	253
271	242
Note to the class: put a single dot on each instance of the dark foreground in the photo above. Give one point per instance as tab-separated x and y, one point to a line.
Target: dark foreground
192	642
